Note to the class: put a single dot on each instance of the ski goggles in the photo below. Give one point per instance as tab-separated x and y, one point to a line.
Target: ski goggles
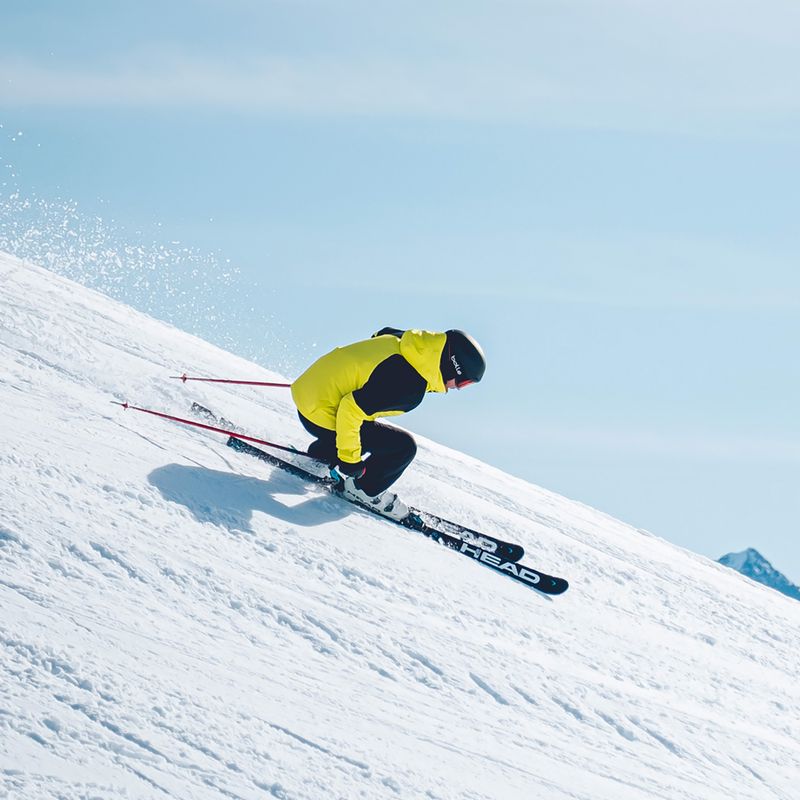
453	383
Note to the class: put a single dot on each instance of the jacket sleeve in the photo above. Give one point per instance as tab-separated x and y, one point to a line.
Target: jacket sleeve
349	418
394	387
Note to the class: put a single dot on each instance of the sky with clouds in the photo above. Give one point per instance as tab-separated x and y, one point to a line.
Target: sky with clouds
604	192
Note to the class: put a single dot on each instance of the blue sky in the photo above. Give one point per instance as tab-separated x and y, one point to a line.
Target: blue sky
604	192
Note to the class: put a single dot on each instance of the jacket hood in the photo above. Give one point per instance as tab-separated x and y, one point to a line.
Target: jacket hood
423	350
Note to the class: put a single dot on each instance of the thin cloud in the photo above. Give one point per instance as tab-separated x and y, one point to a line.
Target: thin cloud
572	92
617	64
280	85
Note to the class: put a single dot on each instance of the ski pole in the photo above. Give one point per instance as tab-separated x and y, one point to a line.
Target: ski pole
185	378
235	435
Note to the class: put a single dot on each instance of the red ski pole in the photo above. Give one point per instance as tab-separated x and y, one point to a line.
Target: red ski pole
185	378
235	435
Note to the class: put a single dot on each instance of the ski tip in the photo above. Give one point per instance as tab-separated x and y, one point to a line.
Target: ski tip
557	586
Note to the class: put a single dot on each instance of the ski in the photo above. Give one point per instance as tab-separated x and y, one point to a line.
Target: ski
509	551
548	584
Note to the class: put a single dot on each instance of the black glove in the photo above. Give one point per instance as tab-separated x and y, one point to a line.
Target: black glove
342	470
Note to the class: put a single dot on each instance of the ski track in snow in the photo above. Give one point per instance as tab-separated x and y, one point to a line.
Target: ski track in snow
182	621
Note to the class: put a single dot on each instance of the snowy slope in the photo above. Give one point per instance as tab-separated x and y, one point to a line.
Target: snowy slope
181	621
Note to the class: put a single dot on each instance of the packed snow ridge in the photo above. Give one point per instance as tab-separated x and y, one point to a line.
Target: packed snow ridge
180	620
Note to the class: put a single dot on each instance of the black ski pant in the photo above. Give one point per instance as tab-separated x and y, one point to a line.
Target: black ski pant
390	452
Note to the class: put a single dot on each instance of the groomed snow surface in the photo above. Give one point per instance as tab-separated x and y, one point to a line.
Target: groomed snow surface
179	620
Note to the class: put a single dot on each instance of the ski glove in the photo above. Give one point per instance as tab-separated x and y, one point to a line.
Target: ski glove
341	470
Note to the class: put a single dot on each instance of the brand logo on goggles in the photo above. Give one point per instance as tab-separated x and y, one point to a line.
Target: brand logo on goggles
456	365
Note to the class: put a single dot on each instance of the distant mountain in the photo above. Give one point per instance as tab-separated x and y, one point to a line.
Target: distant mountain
751	563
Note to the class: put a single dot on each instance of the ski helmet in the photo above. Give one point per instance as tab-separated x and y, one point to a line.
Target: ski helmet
462	359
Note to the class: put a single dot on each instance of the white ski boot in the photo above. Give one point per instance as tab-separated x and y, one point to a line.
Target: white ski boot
387	503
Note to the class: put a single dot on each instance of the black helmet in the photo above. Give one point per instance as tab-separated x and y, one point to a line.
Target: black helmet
462	359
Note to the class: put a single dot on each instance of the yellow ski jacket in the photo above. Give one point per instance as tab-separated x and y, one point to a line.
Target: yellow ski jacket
386	375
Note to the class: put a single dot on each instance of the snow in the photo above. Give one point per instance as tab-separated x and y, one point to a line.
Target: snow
179	620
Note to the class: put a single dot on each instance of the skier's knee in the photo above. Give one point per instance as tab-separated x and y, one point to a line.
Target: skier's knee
408	447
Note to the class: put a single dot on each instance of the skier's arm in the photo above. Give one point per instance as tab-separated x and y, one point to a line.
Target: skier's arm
393	388
349	418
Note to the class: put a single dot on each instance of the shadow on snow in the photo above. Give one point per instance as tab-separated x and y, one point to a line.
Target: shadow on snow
227	499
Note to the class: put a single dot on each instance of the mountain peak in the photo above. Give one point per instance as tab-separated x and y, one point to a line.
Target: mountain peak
752	564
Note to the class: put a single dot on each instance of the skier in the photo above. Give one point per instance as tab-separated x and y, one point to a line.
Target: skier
340	396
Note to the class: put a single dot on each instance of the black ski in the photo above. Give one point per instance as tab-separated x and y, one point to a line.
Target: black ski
416	521
508	551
